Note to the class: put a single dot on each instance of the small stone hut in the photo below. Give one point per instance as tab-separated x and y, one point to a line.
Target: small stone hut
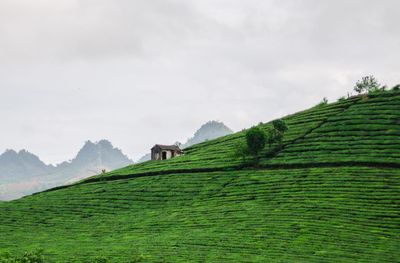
164	152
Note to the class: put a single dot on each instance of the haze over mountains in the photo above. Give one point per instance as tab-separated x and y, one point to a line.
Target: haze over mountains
23	173
208	131
14	165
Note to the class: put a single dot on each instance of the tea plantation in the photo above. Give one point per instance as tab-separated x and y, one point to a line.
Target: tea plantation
331	194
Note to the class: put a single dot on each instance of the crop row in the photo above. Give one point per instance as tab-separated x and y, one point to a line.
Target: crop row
352	135
259	215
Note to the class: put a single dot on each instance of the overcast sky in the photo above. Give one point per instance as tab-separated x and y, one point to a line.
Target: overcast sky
152	71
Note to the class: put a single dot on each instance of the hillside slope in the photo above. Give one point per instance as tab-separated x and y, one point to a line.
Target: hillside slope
331	195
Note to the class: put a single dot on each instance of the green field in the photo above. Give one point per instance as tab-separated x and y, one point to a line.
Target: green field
332	194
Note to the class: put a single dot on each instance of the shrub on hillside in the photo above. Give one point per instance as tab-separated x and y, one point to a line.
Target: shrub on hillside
275	135
241	151
255	140
280	125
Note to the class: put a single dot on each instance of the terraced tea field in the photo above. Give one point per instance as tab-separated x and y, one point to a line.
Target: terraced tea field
331	195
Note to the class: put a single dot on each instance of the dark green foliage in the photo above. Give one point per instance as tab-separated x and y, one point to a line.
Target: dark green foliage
255	140
28	257
280	125
275	136
241	151
396	88
367	84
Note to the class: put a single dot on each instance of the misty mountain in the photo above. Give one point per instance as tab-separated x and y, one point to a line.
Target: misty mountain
23	173
208	131
92	159
21	165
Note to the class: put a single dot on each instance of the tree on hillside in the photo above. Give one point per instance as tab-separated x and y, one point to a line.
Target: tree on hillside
367	84
280	125
275	135
242	151
255	140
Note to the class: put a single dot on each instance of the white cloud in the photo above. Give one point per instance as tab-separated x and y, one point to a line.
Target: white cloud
144	72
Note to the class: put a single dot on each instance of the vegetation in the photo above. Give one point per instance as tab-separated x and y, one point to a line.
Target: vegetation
276	133
255	140
28	257
37	257
367	84
242	151
331	194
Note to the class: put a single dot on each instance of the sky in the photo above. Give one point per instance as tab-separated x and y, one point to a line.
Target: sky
140	72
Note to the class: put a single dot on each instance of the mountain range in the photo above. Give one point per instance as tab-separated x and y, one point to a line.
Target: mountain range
23	173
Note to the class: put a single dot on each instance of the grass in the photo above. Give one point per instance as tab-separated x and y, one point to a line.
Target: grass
330	195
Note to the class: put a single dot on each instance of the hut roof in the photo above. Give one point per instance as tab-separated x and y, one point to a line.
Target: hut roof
167	147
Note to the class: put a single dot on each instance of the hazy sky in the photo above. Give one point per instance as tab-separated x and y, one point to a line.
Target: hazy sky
152	71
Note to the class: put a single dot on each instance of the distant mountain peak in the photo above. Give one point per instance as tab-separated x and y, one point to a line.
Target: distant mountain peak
9	152
105	143
21	164
100	153
98	144
208	131
21	154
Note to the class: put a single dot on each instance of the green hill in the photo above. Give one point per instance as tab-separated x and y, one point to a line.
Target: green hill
332	194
